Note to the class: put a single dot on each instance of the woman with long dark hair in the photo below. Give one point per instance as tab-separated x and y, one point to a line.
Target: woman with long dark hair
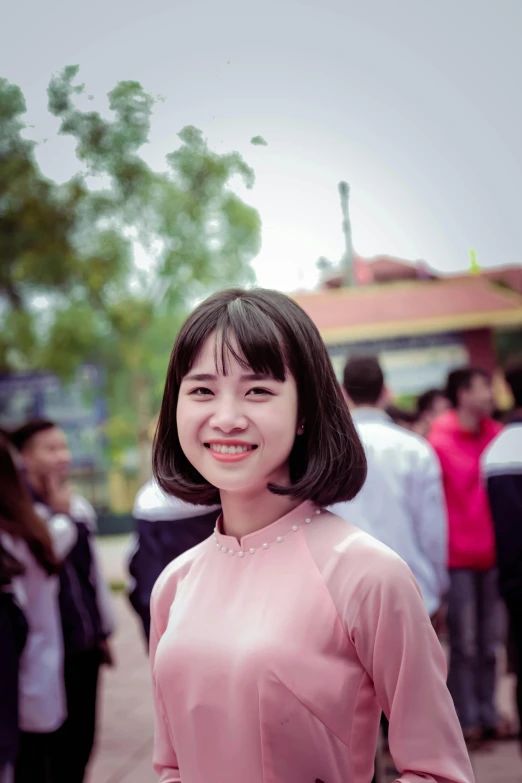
276	643
38	546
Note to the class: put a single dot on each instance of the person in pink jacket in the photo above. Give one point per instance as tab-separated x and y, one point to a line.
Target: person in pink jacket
460	437
277	642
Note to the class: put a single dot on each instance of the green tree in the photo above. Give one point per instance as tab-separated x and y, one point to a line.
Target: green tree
71	289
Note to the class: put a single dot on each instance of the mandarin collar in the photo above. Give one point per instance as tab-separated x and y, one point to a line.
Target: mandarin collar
272	534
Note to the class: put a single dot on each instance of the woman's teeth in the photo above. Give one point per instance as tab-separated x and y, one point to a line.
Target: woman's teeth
229	449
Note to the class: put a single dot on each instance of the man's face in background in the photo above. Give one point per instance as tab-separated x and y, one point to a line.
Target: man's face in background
46	455
477	398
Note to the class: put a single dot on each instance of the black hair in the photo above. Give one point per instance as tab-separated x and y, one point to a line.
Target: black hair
399	415
17	513
20	437
269	333
363	379
426	400
513	376
462	378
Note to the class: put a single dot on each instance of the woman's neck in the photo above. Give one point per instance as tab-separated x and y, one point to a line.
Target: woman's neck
244	514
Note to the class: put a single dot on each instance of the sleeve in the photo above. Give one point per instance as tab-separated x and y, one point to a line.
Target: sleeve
505	499
164	757
82	510
64	535
428	503
398	648
63	530
145	565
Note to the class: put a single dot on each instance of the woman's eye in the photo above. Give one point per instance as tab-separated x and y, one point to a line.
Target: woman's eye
257	392
200	392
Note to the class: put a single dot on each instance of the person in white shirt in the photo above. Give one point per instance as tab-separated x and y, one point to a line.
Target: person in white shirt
402	502
38	544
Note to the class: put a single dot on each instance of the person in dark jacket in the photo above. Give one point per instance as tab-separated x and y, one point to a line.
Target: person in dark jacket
502	466
165	528
84	599
13	633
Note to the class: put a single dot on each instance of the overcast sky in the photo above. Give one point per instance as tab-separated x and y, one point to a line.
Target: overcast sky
416	103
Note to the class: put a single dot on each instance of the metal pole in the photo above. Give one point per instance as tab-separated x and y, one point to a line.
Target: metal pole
348	275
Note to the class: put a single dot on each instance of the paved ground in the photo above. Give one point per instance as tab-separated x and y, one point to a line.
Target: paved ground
124	747
125	738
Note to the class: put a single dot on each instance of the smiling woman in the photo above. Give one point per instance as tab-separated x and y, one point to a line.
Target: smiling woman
276	643
252	362
239	417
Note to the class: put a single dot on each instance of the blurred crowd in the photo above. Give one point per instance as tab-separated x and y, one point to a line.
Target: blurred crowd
444	490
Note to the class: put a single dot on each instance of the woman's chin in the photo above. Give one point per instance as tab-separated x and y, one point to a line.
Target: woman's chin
242	478
240	488
237	484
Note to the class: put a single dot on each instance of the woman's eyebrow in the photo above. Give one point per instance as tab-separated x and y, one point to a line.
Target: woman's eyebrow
206	377
258	376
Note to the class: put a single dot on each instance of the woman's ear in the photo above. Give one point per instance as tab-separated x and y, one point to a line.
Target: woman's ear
300	429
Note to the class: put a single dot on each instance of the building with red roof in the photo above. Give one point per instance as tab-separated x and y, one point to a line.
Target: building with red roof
420	324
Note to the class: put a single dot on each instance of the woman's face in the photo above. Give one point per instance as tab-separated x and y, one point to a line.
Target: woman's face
238	429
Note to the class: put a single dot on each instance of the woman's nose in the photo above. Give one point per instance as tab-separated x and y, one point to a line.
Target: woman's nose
228	418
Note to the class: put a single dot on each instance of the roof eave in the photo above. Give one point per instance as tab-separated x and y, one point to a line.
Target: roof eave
421	326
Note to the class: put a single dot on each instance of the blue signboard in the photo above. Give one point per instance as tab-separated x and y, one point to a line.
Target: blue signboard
78	407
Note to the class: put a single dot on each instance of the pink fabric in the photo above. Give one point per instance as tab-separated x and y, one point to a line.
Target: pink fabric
471	536
272	667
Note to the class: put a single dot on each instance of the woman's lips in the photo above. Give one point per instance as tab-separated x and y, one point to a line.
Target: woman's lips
230	451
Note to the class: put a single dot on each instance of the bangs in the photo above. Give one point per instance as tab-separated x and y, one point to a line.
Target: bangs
244	333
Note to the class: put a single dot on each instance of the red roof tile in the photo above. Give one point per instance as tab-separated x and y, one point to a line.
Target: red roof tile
419	306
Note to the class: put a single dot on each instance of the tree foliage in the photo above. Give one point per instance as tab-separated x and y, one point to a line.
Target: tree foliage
104	267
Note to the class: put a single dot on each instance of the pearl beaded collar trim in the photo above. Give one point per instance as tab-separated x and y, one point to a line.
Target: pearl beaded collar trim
252	550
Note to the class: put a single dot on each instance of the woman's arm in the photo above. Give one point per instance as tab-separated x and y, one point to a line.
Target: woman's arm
398	648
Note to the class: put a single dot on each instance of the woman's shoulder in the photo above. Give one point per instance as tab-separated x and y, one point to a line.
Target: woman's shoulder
352	562
34	582
343	538
173	574
17	548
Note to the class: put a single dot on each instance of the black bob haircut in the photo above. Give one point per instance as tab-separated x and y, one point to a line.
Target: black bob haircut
462	378
427	399
399	415
273	336
21	437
